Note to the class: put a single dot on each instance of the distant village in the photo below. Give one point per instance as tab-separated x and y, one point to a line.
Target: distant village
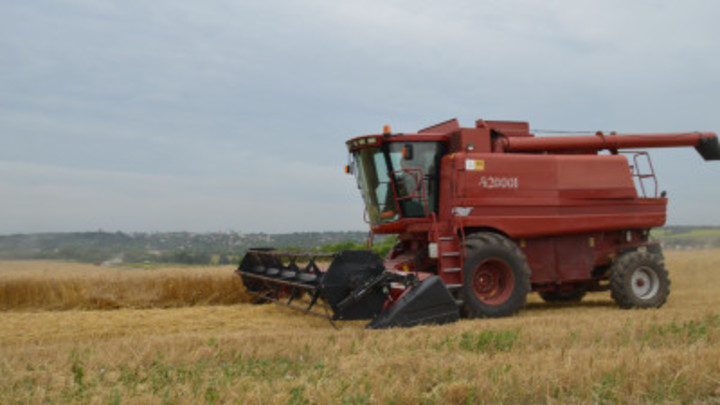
228	247
165	247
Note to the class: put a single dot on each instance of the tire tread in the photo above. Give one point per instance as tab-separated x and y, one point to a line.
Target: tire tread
621	290
479	240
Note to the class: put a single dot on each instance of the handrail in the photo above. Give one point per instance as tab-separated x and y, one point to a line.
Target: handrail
638	173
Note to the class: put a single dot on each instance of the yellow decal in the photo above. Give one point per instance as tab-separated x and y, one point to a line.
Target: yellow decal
474	164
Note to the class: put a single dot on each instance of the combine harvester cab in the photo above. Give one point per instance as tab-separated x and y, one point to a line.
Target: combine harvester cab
484	216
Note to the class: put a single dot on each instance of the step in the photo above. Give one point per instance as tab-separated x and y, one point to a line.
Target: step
451	254
452	270
446	238
459	302
453	286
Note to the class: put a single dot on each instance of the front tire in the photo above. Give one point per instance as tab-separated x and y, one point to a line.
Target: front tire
496	276
639	280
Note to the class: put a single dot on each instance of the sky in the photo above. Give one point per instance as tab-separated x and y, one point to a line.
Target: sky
178	115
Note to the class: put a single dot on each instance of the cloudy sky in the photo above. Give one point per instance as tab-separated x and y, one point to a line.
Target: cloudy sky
173	115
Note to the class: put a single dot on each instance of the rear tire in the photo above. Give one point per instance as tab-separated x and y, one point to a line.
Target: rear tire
496	276
639	280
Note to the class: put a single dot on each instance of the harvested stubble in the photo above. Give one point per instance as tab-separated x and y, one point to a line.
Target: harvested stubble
591	352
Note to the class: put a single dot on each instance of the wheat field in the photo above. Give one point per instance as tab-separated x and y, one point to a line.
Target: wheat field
74	333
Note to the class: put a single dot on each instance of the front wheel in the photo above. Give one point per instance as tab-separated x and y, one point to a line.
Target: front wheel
496	276
639	280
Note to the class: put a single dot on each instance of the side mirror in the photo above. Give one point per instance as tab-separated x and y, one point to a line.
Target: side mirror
407	151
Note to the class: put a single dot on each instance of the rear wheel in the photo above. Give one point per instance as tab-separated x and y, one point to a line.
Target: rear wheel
639	280
496	276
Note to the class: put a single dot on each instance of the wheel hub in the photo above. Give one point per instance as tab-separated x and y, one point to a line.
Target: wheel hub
645	283
493	281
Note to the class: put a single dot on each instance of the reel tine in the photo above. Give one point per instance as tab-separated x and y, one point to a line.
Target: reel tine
284	277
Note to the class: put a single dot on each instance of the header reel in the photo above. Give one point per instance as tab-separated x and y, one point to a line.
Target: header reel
354	286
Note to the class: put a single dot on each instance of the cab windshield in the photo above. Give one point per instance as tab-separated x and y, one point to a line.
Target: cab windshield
398	179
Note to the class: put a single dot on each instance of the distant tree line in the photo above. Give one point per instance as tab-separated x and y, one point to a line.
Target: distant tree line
223	248
178	247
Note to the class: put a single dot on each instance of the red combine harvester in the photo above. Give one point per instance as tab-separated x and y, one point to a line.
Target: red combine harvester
484	216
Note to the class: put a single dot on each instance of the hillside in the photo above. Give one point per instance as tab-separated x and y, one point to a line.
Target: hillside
688	237
176	247
228	247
